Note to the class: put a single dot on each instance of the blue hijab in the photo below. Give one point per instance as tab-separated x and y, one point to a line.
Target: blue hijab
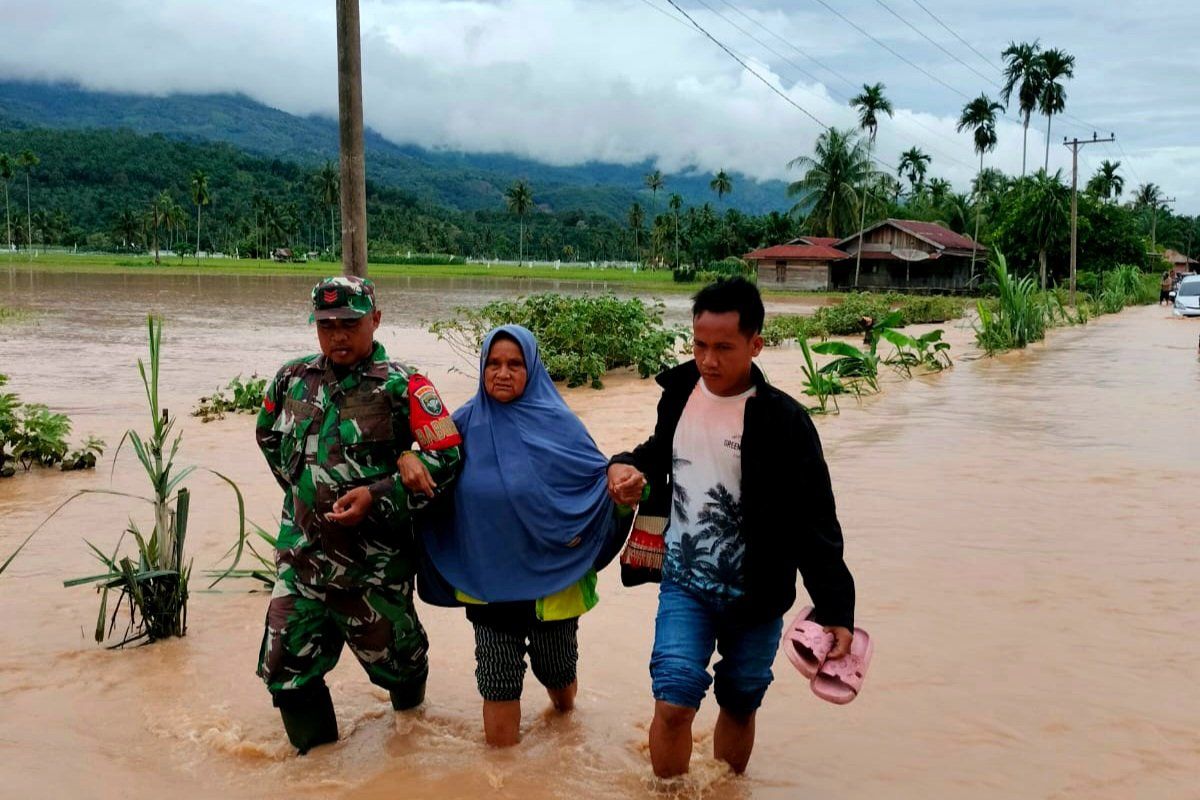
531	508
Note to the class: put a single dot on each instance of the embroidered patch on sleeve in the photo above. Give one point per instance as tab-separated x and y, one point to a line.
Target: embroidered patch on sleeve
431	424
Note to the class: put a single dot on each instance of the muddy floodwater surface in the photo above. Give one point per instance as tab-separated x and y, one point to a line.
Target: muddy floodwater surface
1022	531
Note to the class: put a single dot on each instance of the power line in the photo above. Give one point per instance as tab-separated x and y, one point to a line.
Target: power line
938	20
844	98
912	64
935	43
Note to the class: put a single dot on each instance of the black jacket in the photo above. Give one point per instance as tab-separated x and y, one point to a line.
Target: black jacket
789	521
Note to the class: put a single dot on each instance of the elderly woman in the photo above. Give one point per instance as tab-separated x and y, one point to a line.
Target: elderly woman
530	524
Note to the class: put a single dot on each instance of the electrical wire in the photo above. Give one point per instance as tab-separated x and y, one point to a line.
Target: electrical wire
933	42
950	30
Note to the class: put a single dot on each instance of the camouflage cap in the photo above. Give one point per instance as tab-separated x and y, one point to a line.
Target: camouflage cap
342	297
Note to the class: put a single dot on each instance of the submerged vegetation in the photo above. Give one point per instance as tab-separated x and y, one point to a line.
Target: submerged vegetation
580	338
858	313
244	397
152	585
33	435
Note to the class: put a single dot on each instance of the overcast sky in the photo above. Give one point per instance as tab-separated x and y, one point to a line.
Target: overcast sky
566	81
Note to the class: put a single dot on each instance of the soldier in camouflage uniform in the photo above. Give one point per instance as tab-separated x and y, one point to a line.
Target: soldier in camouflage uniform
335	428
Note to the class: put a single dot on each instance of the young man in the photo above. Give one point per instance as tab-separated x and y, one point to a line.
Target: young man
333	428
751	504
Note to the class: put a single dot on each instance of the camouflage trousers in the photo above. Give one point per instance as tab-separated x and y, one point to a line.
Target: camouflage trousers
307	626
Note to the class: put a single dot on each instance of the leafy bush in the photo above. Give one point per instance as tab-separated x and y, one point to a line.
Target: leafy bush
860	366
789	327
580	338
846	317
728	267
1086	281
85	456
920	310
818	384
40	437
244	397
928	351
1137	287
1112	300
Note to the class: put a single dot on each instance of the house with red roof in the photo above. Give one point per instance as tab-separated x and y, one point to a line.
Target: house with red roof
803	263
1180	264
906	254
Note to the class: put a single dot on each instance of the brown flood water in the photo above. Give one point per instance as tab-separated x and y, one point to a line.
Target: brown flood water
1020	529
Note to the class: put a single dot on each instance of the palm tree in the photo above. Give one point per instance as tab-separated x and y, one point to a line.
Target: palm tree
636	217
914	163
176	220
27	160
200	197
980	116
1048	198
156	216
126	227
1149	196
834	180
675	202
870	103
520	199
6	175
654	181
721	183
1023	71
1056	66
1106	183
939	190
327	194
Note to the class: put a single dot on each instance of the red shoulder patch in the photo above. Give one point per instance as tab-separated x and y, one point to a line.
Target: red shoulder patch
431	424
268	404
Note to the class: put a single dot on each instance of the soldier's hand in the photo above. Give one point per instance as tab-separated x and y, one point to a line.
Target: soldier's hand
625	484
352	507
415	475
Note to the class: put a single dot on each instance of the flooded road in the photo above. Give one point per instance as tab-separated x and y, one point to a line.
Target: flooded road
1020	529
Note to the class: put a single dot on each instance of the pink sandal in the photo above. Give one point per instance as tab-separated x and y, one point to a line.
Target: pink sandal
807	644
839	681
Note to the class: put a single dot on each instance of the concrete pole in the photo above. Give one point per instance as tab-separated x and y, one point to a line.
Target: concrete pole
350	128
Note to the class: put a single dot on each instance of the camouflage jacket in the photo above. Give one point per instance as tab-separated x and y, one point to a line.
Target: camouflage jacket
323	435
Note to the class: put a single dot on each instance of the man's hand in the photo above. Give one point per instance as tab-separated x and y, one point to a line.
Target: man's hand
842	637
625	484
352	507
415	475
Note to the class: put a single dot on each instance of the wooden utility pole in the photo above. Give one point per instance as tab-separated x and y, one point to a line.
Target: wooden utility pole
1075	144
350	128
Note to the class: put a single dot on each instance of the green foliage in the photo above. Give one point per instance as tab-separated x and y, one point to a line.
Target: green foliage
1019	315
153	585
793	327
40	437
924	309
846	318
861	367
580	338
244	397
731	266
8	315
818	384
84	456
264	570
927	351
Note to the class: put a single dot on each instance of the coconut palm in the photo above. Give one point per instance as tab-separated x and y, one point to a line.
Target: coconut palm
519	198
939	190
327	195
200	197
870	103
914	163
1106	183
156	216
675	202
1024	72
721	183
834	180
1149	196
27	160
6	175
1057	65
636	218
654	181
126	226
980	116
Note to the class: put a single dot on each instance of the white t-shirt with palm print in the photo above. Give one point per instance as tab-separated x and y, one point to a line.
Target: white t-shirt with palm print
704	542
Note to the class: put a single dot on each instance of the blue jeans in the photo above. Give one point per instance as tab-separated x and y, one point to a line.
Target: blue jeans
687	629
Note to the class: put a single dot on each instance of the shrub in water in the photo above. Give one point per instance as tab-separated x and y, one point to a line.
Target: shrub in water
1018	314
580	338
244	397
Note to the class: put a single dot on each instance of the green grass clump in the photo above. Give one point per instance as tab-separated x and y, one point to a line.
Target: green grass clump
1017	316
792	327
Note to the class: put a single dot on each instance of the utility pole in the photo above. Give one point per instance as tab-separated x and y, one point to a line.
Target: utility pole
1075	144
350	129
1161	202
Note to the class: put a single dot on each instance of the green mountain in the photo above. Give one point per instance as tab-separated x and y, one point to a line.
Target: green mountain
463	181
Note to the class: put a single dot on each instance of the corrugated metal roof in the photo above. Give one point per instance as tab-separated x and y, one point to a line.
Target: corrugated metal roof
798	252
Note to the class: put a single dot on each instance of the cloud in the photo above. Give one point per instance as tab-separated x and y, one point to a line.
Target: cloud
566	81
